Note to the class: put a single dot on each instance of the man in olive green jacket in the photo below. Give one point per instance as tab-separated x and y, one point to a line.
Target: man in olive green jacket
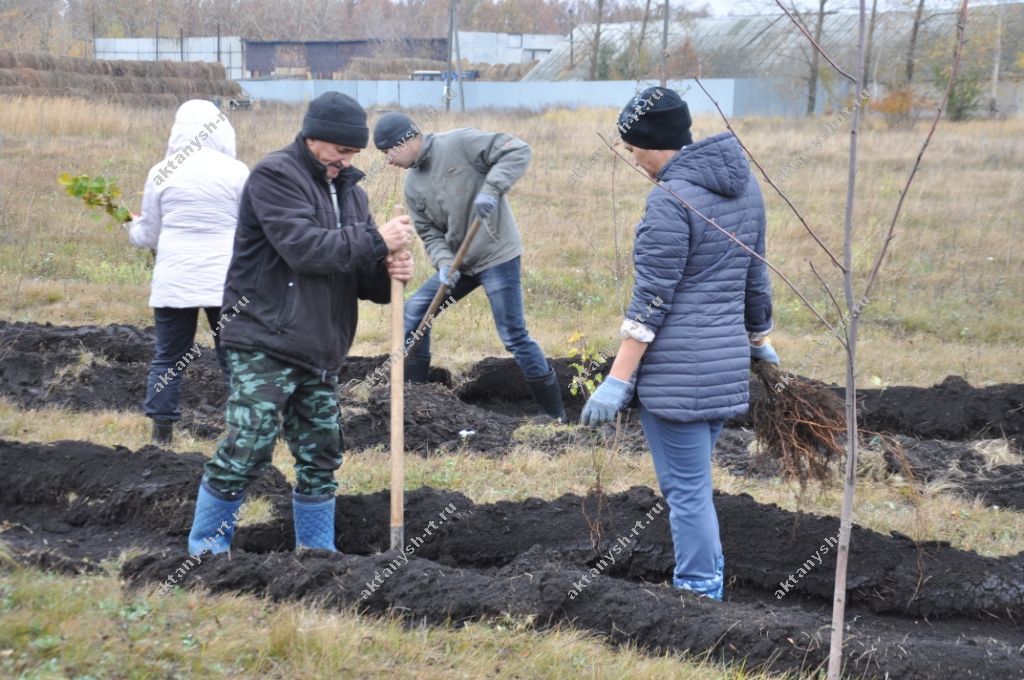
455	177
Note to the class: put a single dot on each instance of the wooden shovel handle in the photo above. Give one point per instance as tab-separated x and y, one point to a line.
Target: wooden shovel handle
397	407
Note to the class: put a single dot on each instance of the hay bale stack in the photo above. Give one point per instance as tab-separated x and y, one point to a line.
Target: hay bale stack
399	68
135	83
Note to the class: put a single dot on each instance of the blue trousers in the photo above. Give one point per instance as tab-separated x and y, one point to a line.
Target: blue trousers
505	293
682	461
175	335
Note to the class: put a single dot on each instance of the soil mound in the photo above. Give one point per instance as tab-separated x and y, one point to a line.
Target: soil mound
914	611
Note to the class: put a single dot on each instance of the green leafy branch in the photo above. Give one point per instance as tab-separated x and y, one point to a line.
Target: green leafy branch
96	192
589	359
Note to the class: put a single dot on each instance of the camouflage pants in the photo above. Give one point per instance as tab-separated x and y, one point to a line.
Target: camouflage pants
261	388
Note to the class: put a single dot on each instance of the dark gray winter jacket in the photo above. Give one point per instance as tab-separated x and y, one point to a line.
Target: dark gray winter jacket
300	272
712	291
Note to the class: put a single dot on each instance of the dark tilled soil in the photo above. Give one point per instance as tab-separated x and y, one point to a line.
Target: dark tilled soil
92	368
912	612
953	409
965	470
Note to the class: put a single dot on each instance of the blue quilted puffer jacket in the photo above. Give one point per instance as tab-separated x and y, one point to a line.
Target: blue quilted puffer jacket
712	292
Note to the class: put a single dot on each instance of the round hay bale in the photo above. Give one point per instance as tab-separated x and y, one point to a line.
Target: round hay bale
105	84
25	60
217	71
143	69
18	91
29	76
46	62
9	78
101	67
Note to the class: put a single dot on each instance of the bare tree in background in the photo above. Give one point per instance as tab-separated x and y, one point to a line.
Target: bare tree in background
595	54
912	47
815	65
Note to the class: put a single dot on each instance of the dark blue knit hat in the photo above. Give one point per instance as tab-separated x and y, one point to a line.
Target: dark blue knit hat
657	118
392	129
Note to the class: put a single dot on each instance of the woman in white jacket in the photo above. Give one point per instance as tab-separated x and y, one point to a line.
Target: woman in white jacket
189	214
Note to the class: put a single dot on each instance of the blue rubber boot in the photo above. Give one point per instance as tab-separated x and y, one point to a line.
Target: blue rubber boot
214	523
314	521
712	587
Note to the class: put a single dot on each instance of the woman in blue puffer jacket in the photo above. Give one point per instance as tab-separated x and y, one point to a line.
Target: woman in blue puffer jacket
701	309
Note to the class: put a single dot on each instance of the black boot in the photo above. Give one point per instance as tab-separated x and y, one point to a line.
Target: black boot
163	431
548	395
416	369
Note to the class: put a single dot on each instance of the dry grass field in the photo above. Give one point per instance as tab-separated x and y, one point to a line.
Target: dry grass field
948	302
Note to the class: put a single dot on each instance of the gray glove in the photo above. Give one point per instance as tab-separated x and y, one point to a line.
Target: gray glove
448	278
610	397
484	205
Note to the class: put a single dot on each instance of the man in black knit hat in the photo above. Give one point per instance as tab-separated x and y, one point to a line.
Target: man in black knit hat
306	250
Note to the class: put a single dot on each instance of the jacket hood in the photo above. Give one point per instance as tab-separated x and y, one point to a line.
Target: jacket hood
200	115
716	163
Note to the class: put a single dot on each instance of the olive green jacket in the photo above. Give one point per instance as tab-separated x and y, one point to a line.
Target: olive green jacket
450	170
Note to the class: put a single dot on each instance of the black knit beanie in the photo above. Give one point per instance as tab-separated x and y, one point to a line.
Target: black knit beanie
657	118
393	129
336	118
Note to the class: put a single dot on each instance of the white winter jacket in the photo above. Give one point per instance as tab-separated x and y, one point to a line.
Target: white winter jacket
190	209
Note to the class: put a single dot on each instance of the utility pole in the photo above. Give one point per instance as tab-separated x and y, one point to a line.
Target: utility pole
664	46
156	43
94	35
458	54
451	47
181	43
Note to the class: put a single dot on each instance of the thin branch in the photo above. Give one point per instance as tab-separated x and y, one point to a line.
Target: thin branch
828	289
960	27
772	184
714	224
818	47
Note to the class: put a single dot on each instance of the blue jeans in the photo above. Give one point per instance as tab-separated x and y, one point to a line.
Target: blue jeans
175	337
505	293
682	460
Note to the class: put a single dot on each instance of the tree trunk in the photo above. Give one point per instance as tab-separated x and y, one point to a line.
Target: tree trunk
993	105
597	41
871	46
812	75
664	47
913	41
641	65
835	658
